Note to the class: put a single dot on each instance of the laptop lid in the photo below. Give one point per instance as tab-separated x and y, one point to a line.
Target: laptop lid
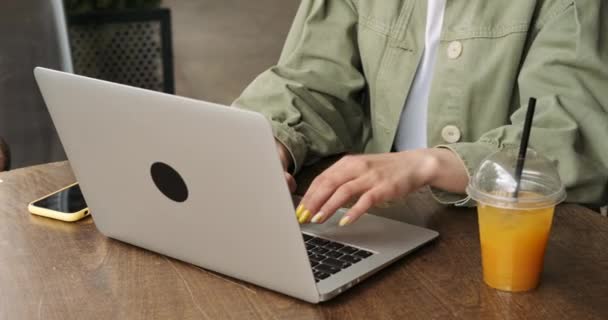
232	212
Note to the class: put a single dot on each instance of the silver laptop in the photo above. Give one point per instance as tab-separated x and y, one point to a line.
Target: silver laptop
202	183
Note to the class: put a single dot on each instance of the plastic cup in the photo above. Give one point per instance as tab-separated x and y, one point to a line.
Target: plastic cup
513	231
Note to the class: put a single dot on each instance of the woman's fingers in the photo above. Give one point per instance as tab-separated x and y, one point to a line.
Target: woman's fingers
339	198
323	187
372	197
366	201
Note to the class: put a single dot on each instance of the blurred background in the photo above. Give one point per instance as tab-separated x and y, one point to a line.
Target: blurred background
203	49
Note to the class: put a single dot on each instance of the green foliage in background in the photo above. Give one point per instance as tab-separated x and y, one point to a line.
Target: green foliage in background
83	6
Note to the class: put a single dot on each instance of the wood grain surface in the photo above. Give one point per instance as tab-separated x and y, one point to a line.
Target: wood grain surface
56	270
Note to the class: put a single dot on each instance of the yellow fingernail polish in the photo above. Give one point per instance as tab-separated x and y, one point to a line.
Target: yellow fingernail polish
344	221
299	210
304	217
317	217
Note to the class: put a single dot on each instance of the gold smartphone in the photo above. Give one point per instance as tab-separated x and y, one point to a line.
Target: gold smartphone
66	204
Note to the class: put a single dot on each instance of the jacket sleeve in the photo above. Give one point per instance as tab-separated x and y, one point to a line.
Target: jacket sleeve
312	97
566	68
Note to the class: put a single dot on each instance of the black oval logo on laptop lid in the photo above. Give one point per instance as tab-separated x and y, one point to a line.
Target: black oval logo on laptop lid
169	182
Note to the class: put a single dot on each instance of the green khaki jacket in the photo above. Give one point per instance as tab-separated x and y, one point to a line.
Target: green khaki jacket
347	67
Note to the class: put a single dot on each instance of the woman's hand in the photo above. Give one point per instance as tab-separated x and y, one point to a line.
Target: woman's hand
376	178
286	162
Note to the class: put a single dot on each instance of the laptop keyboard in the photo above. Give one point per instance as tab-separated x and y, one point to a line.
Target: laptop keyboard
330	257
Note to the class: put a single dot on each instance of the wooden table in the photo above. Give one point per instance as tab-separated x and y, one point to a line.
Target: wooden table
55	270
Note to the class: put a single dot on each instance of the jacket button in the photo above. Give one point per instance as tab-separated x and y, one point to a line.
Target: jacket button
450	134
454	49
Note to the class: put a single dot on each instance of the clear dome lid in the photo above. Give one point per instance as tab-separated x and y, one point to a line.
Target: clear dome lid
494	182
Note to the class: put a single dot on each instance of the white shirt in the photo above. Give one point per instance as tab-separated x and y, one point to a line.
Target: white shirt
411	132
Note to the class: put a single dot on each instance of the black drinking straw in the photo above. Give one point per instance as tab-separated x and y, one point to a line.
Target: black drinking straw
523	146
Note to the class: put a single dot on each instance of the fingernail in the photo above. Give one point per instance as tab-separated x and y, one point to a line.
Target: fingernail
304	217
344	221
317	217
299	210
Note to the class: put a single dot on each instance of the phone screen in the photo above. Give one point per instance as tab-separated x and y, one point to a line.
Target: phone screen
69	200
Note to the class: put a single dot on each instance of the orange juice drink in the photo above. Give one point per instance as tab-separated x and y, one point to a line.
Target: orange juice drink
515	216
513	245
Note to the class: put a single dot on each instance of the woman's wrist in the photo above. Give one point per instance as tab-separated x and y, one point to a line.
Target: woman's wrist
449	172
